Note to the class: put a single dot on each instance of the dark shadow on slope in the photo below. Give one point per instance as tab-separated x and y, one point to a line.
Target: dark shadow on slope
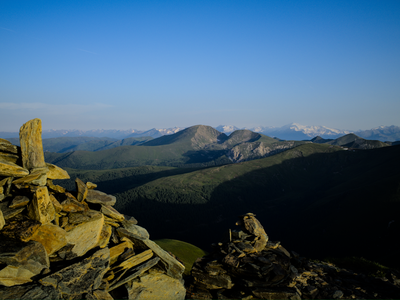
334	204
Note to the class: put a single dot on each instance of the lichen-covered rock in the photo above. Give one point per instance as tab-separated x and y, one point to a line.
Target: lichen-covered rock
86	236
8	168
30	137
52	237
41	208
81	277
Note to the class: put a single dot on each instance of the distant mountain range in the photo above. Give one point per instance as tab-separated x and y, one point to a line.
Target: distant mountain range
291	131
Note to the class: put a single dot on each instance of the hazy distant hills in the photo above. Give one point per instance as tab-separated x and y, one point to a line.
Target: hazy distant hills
196	146
316	198
291	131
80	143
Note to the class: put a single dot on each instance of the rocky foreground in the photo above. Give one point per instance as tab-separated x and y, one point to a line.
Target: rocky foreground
56	244
250	266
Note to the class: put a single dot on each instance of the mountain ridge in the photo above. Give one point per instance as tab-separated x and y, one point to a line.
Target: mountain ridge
292	131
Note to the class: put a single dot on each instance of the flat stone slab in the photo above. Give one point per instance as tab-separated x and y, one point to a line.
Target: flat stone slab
8	168
56	172
86	236
52	237
94	196
82	277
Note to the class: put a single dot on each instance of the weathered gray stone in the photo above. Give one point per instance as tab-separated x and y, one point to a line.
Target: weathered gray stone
94	196
156	285
81	277
136	230
30	137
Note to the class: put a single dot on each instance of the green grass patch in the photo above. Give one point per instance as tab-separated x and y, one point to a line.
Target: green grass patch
186	252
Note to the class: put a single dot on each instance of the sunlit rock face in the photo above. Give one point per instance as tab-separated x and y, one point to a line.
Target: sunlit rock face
58	244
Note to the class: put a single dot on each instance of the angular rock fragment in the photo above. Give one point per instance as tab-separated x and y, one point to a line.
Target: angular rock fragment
7	146
8	212
12	158
55	188
71	205
30	137
156	285
23	261
172	267
41	208
52	237
91	185
57	205
81	189
20	229
56	172
10	169
94	196
19	201
85	236
37	177
112	213
105	236
81	277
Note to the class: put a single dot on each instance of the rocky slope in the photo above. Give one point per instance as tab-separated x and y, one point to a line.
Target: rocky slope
250	266
57	244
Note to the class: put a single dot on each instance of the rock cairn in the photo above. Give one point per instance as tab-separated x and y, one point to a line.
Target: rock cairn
56	244
249	266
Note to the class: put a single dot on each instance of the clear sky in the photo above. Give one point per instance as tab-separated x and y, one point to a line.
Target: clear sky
144	64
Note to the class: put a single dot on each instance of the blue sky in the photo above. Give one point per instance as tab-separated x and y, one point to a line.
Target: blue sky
144	64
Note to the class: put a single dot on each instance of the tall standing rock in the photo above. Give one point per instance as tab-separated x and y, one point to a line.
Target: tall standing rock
30	137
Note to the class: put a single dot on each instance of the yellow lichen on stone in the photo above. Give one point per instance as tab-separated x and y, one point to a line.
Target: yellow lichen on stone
30	138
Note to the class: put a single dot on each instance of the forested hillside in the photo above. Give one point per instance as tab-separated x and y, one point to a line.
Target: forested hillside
319	199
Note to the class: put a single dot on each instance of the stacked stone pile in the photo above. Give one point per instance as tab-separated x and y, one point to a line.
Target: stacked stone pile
56	244
249	266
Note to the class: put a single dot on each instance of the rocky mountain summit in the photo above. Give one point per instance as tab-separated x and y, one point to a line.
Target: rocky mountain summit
250	266
57	244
